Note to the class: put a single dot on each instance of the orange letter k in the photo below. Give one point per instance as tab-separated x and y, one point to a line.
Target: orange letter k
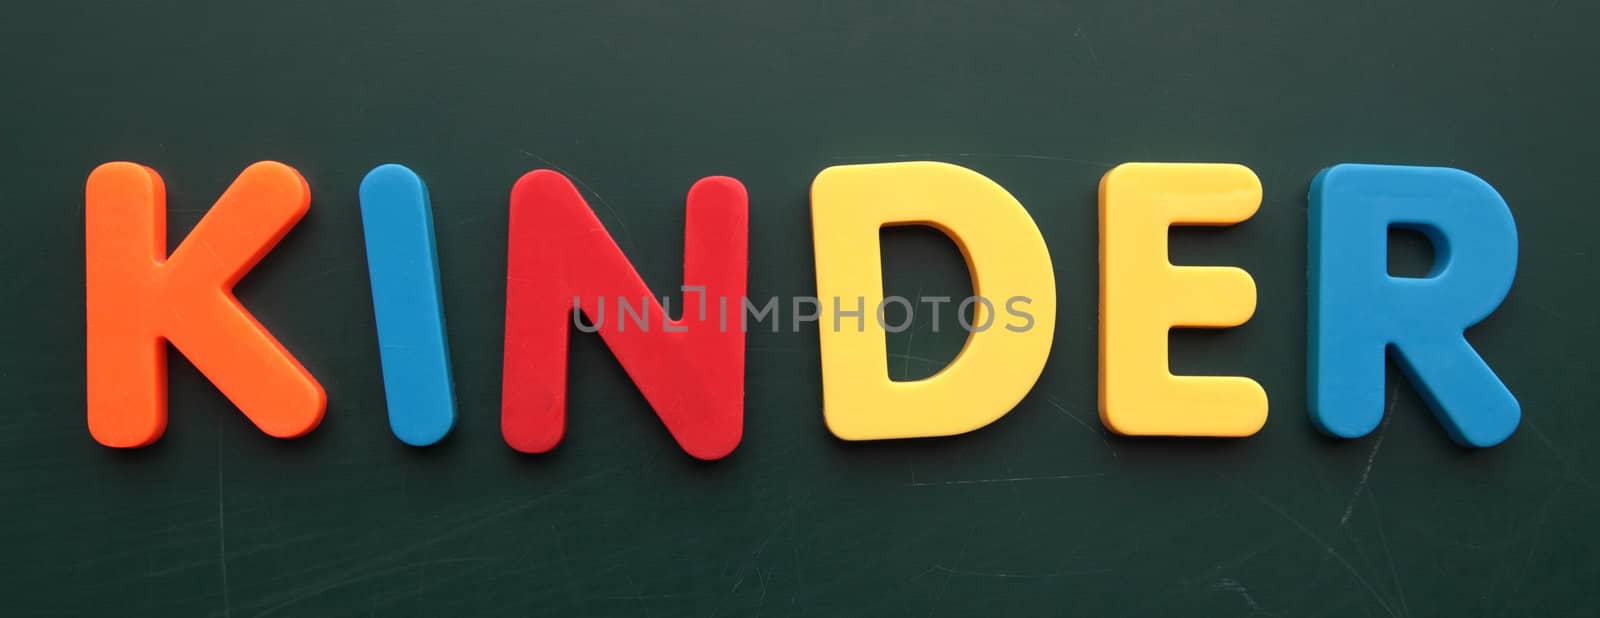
138	299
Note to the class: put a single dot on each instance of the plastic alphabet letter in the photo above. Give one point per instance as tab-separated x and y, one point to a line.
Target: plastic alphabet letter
138	298
403	263
1143	296
1357	310
558	250
1006	257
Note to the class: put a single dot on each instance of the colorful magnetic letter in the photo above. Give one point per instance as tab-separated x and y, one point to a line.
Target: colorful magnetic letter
138	297
1358	310
691	370
1143	296
403	263
1007	259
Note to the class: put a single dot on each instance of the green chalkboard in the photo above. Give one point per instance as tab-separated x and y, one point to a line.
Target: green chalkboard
1040	514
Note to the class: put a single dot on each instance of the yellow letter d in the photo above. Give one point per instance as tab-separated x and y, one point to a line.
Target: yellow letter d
1007	258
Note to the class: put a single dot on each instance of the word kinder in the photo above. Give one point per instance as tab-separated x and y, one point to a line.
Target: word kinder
691	370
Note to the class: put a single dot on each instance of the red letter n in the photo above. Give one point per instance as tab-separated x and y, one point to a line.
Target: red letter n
691	370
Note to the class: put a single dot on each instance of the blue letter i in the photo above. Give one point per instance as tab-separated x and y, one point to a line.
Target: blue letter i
404	265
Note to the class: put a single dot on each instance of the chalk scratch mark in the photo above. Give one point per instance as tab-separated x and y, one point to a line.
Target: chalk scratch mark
1232	585
1014	479
943	585
1366	473
1570	469
1078	32
1349	568
1004	575
1383	538
222	534
911	335
622	224
1051	399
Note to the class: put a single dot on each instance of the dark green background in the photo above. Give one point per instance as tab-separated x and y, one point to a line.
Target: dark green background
1041	513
